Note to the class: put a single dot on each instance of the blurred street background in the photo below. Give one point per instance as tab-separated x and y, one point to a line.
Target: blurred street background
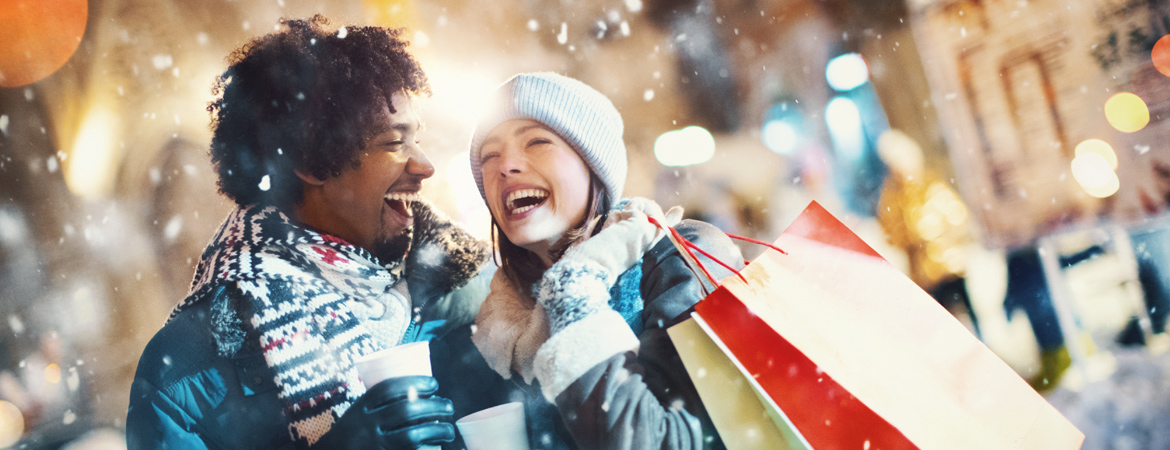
1010	156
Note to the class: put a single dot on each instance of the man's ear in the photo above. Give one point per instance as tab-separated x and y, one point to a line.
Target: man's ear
309	179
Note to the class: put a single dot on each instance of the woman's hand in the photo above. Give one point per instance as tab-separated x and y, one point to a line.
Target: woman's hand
578	284
626	235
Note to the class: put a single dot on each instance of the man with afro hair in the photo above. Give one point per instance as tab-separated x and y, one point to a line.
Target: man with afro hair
331	254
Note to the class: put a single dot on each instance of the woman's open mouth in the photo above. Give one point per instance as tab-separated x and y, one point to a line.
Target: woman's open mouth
400	202
524	200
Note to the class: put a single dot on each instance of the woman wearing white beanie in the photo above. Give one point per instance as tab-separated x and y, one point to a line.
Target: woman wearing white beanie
586	286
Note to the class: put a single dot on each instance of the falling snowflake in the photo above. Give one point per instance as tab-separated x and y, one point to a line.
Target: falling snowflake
69	418
15	324
342	33
4	124
265	183
161	62
648	95
563	36
74	380
421	39
430	255
533	25
171	231
12	226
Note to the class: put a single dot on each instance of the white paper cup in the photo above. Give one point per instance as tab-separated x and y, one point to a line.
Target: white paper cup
399	361
496	428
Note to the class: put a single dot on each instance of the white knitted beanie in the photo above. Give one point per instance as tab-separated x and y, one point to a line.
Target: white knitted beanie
580	115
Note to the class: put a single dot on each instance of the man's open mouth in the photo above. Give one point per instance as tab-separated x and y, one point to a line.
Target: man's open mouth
524	200
400	202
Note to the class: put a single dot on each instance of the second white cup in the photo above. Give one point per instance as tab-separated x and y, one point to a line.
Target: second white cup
497	428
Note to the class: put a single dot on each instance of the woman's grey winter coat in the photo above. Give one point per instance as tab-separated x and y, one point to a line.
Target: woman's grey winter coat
642	400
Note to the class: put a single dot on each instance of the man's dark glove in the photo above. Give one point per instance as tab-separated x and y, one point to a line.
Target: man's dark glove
398	413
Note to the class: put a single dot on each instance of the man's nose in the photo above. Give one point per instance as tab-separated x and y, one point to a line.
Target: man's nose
419	165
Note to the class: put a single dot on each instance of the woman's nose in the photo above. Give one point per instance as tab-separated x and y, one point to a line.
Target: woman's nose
511	163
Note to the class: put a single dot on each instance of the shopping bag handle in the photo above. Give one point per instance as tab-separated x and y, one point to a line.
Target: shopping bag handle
685	246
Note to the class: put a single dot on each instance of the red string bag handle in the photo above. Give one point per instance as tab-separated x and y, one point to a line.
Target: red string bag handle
687	246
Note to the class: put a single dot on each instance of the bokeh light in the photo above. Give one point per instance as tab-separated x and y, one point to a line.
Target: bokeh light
11	424
1093	172
844	121
780	137
1109	188
1099	147
39	37
90	166
53	373
1161	55
1127	112
688	146
847	72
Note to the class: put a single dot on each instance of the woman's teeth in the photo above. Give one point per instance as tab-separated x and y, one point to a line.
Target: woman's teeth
531	199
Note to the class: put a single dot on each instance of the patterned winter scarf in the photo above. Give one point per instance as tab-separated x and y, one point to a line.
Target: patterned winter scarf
298	283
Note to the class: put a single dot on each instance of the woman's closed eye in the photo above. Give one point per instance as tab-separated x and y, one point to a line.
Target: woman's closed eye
538	141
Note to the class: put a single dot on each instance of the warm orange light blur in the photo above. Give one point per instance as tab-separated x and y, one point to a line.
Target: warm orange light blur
53	373
11	424
1127	112
39	37
1093	173
1099	147
93	161
1105	190
395	13
1161	55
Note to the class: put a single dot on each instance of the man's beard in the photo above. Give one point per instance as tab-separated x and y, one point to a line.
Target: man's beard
391	251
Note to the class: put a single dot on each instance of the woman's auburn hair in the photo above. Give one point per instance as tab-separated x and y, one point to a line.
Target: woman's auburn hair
522	267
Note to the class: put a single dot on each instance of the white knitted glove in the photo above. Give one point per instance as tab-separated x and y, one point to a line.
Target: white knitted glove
578	284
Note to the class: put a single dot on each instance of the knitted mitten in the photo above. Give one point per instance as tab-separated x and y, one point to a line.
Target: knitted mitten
574	292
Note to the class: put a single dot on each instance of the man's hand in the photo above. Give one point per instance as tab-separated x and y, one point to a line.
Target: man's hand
398	413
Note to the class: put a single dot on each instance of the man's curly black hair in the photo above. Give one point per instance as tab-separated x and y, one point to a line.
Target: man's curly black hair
302	98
